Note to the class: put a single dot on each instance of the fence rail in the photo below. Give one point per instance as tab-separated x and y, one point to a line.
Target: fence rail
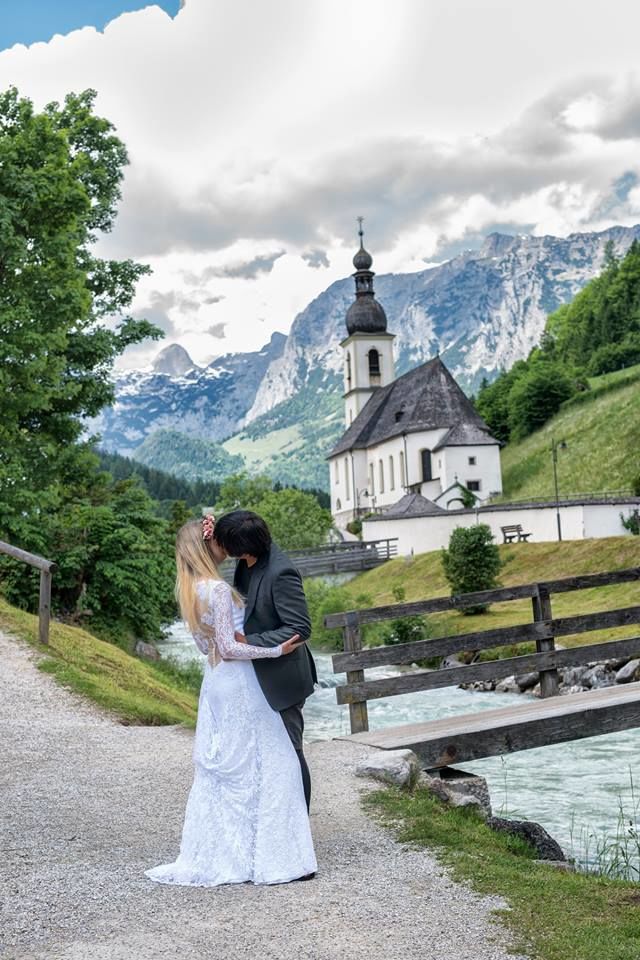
543	629
46	568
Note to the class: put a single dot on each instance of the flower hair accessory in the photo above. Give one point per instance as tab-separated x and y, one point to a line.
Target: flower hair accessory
208	523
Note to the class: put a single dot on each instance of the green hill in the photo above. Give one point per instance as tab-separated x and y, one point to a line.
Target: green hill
601	428
184	456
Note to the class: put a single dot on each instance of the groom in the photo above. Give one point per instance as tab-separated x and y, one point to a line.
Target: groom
275	609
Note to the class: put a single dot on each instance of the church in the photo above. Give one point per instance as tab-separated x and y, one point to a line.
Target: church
411	443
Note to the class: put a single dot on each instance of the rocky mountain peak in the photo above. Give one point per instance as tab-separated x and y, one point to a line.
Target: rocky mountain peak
173	360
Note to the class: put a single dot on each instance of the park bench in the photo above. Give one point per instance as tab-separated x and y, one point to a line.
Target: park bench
513	532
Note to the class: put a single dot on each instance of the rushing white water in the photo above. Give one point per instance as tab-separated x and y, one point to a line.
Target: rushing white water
573	789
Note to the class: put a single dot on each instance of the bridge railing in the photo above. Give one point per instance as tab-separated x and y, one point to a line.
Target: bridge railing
46	568
543	630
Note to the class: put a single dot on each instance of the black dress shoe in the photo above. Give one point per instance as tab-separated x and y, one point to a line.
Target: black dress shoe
307	876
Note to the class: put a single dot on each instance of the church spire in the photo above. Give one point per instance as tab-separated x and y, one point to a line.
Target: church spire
365	315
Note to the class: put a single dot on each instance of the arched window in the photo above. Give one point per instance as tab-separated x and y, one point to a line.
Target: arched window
348	371
338	505
425	459
392	478
403	478
346	479
336	472
374	366
372	481
381	475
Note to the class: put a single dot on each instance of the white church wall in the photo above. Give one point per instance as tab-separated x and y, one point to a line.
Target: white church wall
578	521
486	469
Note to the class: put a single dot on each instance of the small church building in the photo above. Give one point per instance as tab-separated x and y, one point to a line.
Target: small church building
417	435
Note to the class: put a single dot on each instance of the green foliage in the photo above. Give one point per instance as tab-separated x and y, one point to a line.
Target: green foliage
162	487
472	562
323	599
403	629
632	522
295	518
176	453
355	527
535	397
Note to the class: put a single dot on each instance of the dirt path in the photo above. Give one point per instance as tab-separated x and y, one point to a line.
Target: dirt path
86	804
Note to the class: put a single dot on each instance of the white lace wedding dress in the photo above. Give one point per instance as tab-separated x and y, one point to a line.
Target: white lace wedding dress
246	817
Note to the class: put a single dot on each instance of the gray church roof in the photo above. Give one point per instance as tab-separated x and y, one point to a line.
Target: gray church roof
426	398
411	505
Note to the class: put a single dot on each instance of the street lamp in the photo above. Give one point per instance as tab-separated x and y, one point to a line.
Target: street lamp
555	446
360	493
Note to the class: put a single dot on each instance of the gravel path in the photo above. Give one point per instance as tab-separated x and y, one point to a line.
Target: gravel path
86	804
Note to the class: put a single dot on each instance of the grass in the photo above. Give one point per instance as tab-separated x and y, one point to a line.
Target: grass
422	578
258	452
136	691
602	430
551	915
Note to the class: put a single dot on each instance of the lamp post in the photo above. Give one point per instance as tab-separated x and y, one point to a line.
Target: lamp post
360	493
555	446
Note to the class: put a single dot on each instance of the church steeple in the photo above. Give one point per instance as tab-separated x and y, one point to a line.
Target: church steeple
365	315
368	348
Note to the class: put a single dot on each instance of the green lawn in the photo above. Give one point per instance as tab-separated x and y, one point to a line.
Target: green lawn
551	915
602	430
421	577
134	690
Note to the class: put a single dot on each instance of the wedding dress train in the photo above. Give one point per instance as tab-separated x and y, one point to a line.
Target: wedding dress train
246	817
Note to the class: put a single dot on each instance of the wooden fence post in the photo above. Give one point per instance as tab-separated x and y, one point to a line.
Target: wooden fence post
358	714
44	607
542	611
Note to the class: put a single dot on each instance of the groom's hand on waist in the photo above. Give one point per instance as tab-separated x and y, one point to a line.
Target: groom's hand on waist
239	637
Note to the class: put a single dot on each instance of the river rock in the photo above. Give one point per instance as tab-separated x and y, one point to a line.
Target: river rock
146	650
628	673
598	676
573	676
527	680
508	685
401	768
459	789
544	844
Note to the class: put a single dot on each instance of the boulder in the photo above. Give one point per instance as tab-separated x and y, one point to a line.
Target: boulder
573	676
458	789
628	673
401	768
543	843
527	680
508	685
598	676
146	650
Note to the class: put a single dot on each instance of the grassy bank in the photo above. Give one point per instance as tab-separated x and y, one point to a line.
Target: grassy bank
551	915
134	690
421	577
602	430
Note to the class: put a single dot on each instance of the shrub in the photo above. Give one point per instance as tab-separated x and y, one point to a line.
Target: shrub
472	562
632	522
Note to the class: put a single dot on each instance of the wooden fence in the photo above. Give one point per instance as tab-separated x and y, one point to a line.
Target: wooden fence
46	568
543	630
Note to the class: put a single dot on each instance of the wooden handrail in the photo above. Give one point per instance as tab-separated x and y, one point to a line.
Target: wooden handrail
46	568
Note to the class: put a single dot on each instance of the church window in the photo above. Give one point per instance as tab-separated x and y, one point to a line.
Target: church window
473	485
338	505
381	477
346	479
374	366
336	472
392	479
403	478
472	461
372	481
425	458
348	371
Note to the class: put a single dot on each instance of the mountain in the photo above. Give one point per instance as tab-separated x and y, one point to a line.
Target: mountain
207	403
481	311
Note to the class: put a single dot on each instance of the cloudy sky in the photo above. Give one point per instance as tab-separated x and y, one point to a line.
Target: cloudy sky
259	129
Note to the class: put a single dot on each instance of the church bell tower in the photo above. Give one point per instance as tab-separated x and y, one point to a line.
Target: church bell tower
368	348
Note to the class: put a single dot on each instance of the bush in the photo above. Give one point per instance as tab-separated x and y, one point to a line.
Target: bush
472	562
355	527
322	599
632	522
535	397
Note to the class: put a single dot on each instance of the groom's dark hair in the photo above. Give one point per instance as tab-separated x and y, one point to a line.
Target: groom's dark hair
241	531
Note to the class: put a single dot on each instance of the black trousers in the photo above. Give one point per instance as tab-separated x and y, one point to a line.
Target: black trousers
294	722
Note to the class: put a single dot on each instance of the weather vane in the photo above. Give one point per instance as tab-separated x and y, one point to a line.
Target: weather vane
360	230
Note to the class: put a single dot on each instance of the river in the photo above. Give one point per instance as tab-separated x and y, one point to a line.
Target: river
574	790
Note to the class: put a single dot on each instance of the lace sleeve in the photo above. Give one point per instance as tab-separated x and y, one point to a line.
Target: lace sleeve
219	615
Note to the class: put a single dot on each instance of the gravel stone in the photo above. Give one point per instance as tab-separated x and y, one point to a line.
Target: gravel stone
87	804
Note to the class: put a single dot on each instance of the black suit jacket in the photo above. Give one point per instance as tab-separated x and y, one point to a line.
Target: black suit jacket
275	610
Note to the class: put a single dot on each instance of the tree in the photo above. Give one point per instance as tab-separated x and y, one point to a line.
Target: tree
60	174
472	562
535	397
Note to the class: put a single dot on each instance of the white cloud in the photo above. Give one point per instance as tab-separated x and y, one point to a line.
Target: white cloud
258	131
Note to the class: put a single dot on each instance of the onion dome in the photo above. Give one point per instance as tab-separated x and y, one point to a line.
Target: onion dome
365	315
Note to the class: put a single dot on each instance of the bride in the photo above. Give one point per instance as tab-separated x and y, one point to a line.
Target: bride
246	817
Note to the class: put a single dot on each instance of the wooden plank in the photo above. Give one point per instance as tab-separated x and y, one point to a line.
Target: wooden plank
31	558
481	640
542	611
587	581
487	670
44	606
358	712
510	729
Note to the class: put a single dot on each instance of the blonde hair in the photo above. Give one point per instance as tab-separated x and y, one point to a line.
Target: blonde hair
194	561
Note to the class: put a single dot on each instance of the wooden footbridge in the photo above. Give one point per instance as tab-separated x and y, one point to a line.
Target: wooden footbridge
533	723
350	556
